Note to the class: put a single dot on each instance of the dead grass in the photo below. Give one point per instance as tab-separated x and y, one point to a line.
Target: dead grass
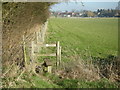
89	71
79	69
109	68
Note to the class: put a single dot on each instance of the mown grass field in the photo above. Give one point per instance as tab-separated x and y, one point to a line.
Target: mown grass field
85	37
82	38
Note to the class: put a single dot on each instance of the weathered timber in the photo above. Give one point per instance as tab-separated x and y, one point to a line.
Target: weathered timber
53	54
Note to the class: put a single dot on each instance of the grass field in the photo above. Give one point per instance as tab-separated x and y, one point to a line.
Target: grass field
82	39
85	37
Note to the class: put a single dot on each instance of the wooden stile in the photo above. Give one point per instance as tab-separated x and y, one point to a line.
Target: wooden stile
57	54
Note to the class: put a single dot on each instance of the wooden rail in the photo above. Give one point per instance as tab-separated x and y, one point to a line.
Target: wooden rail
57	54
53	54
47	45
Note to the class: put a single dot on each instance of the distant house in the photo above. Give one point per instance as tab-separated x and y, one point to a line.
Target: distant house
117	14
63	14
70	14
67	14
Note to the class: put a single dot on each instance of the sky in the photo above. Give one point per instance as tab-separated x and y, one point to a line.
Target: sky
93	6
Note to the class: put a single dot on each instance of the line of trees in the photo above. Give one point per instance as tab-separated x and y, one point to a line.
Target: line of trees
107	13
102	13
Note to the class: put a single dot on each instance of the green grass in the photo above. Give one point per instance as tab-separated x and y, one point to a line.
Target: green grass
85	37
71	83
33	81
81	38
40	83
80	83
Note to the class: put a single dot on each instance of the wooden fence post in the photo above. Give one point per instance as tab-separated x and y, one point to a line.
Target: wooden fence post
33	56
37	37
24	51
58	53
37	41
32	50
50	69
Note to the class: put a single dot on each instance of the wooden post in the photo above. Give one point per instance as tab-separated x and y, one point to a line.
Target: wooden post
58	53
32	50
37	41
60	56
49	69
33	56
37	37
40	36
42	33
24	51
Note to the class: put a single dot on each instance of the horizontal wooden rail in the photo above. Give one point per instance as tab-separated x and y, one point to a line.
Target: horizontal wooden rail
44	45
50	45
53	54
47	45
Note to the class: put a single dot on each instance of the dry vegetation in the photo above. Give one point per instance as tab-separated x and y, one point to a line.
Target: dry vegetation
78	69
90	70
19	19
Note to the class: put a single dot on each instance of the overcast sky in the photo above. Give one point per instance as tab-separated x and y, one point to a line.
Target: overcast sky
93	6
